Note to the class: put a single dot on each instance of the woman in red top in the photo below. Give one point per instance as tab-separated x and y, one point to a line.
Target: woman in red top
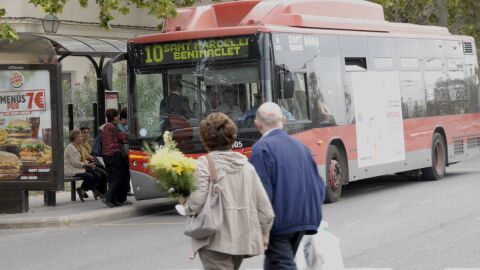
115	162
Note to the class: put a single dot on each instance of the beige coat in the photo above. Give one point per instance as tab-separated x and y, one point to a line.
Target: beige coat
247	212
72	164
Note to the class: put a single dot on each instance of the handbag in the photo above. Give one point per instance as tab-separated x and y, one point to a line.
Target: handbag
210	219
97	147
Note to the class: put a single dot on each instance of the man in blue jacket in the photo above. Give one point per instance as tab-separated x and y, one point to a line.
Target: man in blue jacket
290	177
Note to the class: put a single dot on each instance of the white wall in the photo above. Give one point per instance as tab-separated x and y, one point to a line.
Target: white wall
79	21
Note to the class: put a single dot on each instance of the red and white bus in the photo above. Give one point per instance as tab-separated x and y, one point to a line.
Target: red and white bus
367	96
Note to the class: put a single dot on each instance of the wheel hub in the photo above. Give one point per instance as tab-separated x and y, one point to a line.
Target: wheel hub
334	175
439	162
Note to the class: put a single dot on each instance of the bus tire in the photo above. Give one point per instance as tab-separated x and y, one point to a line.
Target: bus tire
336	174
439	160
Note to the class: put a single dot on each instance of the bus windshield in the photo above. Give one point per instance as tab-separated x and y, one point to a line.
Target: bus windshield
177	99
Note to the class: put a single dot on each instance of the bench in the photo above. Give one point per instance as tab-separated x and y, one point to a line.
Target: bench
73	185
49	196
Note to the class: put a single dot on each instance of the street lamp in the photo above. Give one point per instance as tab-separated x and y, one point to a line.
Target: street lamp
50	23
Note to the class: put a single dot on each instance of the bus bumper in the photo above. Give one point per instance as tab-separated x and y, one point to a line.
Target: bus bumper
144	186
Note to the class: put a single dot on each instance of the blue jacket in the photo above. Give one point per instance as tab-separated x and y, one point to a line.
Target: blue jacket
290	177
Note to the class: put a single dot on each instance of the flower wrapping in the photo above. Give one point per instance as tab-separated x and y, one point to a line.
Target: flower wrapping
172	169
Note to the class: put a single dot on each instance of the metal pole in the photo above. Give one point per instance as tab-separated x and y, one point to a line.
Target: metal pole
50	196
101	93
70	117
96	124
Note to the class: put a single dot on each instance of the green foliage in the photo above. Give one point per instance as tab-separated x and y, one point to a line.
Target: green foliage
85	95
158	8
184	184
6	31
149	90
120	82
50	6
461	16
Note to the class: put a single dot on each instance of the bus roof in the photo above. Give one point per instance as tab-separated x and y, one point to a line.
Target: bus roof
250	16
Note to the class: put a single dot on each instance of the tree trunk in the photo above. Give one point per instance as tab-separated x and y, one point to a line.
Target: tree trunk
443	13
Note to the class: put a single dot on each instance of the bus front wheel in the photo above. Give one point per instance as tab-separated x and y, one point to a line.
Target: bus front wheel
439	160
336	174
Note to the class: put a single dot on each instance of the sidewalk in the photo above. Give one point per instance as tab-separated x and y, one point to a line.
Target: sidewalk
68	213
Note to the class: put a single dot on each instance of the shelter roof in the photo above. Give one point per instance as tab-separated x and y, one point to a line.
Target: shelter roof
34	48
82	46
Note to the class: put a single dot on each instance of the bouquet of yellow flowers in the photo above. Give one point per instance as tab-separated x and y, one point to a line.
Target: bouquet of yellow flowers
173	170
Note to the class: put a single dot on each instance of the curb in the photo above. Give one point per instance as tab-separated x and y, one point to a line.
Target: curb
102	215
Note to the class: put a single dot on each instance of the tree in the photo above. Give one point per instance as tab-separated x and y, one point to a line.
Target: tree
462	17
6	31
159	8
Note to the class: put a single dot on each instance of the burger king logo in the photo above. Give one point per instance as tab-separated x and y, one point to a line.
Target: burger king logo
16	79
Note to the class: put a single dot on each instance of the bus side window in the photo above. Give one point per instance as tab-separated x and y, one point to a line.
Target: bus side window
355	64
296	108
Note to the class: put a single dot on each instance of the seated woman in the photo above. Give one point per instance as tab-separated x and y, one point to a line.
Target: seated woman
73	165
85	149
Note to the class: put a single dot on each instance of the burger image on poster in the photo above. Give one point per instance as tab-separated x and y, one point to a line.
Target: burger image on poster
18	129
35	150
3	136
9	166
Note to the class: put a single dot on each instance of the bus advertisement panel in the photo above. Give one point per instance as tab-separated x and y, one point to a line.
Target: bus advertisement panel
26	137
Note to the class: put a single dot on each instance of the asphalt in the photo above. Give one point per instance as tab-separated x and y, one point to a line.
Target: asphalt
67	213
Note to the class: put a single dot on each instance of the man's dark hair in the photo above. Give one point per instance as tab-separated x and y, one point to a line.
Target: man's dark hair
83	128
123	113
176	86
111	114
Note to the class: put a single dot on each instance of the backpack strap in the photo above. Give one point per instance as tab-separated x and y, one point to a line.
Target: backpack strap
212	171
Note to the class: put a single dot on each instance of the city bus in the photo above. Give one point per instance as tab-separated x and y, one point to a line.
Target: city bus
368	97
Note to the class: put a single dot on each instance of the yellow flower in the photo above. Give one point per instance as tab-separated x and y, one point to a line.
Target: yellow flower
172	168
178	169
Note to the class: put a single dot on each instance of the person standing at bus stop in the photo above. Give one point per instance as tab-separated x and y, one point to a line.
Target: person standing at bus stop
290	177
123	126
112	139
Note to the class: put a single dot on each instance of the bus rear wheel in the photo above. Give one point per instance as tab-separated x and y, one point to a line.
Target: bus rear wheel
439	160
336	174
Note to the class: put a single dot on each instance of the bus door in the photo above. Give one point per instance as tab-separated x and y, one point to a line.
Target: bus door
293	100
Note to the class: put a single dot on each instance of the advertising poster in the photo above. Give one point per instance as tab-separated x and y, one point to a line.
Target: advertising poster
111	100
25	125
379	122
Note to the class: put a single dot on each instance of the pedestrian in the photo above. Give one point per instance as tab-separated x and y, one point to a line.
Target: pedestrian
123	126
74	166
123	123
290	177
247	212
117	169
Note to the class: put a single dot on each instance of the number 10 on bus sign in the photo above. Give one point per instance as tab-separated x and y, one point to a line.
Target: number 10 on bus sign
22	102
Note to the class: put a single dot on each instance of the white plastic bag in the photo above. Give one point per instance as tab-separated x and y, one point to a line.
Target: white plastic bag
320	251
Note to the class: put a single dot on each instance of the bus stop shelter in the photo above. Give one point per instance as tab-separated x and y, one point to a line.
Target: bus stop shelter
20	62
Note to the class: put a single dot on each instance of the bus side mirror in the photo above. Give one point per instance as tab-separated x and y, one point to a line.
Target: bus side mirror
107	70
287	84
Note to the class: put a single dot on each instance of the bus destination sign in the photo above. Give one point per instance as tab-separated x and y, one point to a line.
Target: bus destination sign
188	51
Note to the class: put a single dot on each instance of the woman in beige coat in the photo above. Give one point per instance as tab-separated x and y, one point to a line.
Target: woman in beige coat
73	166
247	213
